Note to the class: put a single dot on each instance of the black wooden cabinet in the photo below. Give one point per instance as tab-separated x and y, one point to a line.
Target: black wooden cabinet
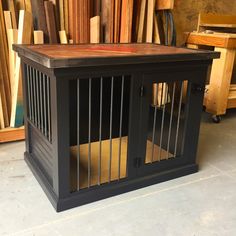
106	119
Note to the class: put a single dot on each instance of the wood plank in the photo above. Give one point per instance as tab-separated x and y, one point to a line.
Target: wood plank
215	40
95	29
111	20
51	22
20	5
8	21
2	123
12	35
70	19
126	21
39	18
56	7
4	64
38	37
150	15
164	4
141	21
62	15
63	37
28	6
14	13
117	21
220	80
12	134
156	33
66	15
24	37
216	20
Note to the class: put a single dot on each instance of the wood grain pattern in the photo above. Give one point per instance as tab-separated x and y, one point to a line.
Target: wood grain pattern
70	19
12	35
126	21
2	123
66	16
51	22
216	40
8	21
117	20
62	15
164	4
28	6
150	15
63	37
56	8
11	134
215	20
220	80
95	29
141	21
38	37
5	90
24	37
14	13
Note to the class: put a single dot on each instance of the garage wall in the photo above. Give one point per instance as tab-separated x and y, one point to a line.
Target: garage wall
186	13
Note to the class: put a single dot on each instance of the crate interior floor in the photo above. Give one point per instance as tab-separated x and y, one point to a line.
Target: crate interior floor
105	157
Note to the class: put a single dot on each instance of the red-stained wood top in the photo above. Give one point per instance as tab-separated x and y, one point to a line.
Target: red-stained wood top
55	56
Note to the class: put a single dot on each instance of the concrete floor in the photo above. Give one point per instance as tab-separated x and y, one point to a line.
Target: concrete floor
196	205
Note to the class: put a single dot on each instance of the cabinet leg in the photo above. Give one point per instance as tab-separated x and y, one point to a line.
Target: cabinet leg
220	80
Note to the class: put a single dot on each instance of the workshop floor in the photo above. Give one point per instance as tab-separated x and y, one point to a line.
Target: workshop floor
196	205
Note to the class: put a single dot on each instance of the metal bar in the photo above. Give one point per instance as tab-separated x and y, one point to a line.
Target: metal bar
163	120
44	105
171	118
34	95
111	110
178	120
78	136
89	135
49	109
37	99
120	130
29	92
41	100
153	132
100	133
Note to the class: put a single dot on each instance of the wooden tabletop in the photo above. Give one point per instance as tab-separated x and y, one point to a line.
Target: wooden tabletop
57	56
222	40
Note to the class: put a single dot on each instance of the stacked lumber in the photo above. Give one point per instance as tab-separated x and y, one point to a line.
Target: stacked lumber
68	21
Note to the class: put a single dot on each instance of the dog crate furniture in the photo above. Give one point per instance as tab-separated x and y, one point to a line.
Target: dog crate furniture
101	120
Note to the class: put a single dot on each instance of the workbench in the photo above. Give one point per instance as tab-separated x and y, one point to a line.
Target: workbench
93	126
220	94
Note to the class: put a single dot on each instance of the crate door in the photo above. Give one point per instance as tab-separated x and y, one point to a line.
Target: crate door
164	114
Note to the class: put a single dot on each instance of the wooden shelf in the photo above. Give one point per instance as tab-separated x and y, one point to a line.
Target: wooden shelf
12	134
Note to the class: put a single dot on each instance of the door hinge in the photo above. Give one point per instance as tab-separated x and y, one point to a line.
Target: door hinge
137	162
141	91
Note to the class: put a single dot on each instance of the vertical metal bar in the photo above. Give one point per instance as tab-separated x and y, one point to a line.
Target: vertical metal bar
100	133
154	125
163	120
78	136
29	93
171	118
49	109
37	99
89	135
111	110
44	106
178	120
41	100
120	129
